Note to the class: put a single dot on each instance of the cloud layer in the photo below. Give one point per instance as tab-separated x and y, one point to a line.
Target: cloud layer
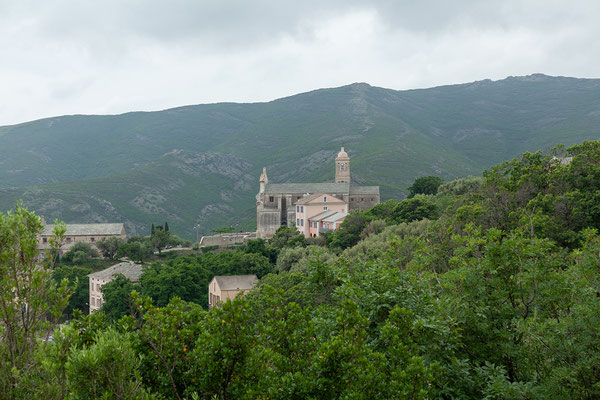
67	57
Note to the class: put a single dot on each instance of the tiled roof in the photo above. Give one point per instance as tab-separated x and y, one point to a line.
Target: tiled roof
324	187
364	190
330	199
87	229
236	282
322	215
335	217
289	188
132	271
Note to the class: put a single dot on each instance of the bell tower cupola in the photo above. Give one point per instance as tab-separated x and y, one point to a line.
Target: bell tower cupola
342	167
264	180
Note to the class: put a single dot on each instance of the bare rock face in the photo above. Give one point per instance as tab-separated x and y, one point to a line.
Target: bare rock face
195	163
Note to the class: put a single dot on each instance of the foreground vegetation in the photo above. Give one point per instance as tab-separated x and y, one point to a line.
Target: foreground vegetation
488	288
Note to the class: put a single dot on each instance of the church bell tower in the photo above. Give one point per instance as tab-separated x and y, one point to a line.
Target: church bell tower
342	167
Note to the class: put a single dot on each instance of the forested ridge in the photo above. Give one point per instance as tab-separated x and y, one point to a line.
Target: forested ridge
478	288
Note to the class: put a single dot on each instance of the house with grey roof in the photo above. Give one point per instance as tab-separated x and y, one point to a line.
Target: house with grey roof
88	233
222	288
130	270
276	202
332	222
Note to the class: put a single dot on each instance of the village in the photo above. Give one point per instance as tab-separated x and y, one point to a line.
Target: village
310	208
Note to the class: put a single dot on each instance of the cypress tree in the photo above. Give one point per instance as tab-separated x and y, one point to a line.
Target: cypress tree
166	227
152	230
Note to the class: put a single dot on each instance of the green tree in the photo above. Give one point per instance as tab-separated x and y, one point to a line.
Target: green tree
136	251
110	246
29	298
188	276
413	210
80	253
222	358
108	369
349	232
286	236
160	239
117	297
164	338
425	185
78	279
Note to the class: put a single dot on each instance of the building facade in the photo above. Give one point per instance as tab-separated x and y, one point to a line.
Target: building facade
222	288
313	208
130	270
276	203
88	233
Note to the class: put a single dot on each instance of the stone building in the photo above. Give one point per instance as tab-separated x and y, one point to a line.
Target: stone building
89	233
276	203
130	270
222	288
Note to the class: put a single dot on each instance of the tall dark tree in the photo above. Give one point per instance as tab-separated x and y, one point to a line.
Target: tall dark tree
425	185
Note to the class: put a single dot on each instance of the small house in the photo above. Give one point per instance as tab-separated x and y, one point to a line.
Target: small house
222	288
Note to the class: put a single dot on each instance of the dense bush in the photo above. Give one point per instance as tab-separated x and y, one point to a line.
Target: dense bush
496	298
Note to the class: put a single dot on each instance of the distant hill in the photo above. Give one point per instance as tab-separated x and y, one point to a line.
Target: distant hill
200	164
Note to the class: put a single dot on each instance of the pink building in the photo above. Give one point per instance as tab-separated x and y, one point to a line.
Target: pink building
318	204
333	222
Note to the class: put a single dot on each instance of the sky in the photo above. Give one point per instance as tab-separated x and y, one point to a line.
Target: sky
113	56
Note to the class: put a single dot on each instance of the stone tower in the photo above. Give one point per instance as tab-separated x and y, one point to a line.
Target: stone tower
342	167
263	180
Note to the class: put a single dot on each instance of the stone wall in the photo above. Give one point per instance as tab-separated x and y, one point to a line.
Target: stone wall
226	239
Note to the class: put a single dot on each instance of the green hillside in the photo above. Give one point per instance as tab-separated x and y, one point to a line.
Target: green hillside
129	167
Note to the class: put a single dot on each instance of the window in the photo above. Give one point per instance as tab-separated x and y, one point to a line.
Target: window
271	199
301	209
352	199
93	301
325	208
97	287
68	240
324	199
297	221
45	240
297	208
310	223
92	239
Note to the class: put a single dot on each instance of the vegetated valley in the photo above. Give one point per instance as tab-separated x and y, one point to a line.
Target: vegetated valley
484	287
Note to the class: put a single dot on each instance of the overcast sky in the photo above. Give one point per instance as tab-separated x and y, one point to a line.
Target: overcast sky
113	56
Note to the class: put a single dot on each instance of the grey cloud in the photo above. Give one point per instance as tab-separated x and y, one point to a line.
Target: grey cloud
65	56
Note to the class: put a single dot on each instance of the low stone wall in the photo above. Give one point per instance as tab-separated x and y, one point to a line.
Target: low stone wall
226	239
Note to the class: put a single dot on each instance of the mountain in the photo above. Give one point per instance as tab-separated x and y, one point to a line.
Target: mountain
199	165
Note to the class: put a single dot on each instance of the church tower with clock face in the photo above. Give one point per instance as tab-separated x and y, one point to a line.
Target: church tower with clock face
342	167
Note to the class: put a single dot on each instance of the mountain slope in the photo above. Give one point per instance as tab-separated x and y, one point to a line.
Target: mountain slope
127	166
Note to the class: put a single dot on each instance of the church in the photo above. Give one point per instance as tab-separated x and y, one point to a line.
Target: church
290	204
